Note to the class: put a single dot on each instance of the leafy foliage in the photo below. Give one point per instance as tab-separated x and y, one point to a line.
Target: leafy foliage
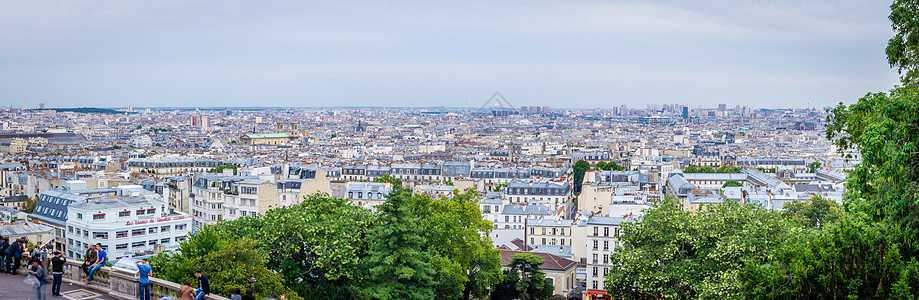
903	47
609	166
732	183
813	213
228	262
396	266
580	167
722	169
524	279
672	253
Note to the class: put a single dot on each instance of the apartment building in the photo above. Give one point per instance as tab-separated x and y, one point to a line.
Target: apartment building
125	226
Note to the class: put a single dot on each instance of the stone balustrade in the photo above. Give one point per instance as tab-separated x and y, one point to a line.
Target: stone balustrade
122	285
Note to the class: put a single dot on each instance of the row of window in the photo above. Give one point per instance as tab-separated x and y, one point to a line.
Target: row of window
549	231
139	212
50	211
124	233
80	245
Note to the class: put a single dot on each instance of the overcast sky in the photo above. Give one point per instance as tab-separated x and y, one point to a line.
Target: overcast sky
578	54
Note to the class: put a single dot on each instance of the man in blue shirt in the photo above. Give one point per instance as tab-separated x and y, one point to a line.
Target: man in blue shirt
100	262
143	272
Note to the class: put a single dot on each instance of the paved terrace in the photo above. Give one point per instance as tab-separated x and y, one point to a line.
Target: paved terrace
109	284
12	288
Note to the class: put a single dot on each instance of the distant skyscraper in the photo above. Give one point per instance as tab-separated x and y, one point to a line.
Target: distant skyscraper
24	106
41	105
722	107
685	112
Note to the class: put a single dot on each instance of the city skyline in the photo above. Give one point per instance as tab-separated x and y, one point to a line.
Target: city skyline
413	54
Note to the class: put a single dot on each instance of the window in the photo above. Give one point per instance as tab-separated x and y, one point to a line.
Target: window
164	228
532	230
141	212
138	244
151	211
563	231
248	190
596	230
605	258
124	214
595	258
164	241
121	247
605	231
595	284
180	227
563	242
596	271
180	238
98	216
138	232
70	229
596	244
543	231
605	245
507	218
100	235
543	241
151	230
152	242
121	234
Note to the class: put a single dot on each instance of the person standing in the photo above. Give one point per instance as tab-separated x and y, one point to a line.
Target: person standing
88	259
143	278
204	285
57	271
39	273
100	262
4	243
14	257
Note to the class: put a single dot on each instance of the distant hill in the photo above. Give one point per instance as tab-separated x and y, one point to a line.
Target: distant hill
88	110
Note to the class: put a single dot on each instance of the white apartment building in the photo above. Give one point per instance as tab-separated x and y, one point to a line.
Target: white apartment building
125	226
367	194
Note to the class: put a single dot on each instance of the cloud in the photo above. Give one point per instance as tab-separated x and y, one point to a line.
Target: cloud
364	52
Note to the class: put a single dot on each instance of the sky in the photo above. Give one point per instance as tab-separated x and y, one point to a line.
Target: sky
564	54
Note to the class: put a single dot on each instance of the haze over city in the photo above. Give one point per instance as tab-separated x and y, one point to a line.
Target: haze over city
575	54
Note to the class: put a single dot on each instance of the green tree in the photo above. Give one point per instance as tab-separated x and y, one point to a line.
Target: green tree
815	212
852	258
524	279
396	182
29	205
903	47
672	253
814	166
229	262
458	236
580	167
316	245
397	267
732	183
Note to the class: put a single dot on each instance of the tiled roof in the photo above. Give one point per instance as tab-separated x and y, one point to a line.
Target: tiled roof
552	262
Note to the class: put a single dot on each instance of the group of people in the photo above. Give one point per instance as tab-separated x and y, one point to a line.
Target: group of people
12	253
186	292
95	258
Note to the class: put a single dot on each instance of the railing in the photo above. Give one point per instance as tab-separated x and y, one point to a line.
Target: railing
122	285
